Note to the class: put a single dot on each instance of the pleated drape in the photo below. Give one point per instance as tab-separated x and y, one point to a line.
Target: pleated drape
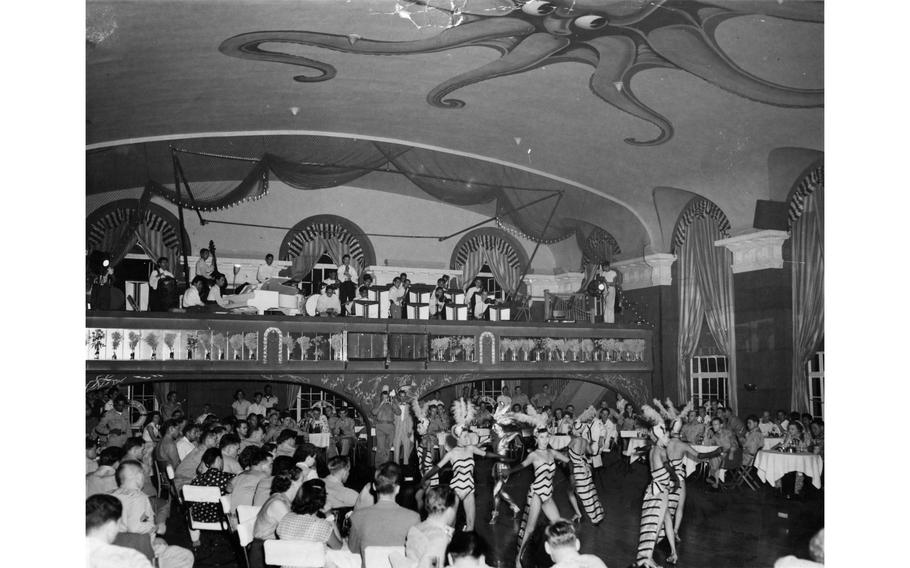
154	244
808	285
291	390
472	265
309	255
706	291
503	272
337	249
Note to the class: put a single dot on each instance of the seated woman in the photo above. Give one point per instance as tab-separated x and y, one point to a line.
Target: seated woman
210	474
794	440
426	543
307	519
272	512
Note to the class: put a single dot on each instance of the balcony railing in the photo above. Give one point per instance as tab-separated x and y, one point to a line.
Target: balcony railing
231	343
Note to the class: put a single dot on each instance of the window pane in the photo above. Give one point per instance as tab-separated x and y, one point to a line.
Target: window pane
712	365
705	387
704	364
722	364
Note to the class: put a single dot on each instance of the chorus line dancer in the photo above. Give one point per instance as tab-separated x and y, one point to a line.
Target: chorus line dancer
582	478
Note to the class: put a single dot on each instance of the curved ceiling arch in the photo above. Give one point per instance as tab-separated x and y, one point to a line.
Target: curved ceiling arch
436	148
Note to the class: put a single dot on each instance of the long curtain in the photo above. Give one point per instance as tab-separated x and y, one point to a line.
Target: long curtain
691	316
715	278
309	255
337	249
808	242
154	244
472	265
291	390
504	273
118	242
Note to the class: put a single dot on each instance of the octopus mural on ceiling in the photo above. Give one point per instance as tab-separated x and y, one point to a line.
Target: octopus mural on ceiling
618	38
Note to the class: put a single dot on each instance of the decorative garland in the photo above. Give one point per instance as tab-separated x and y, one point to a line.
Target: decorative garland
265	340
483	336
515	232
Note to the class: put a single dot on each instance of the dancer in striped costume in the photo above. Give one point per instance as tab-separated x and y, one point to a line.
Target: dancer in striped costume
460	455
655	503
582	479
540	494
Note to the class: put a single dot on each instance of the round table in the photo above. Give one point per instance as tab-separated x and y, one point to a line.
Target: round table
770	442
772	466
634	444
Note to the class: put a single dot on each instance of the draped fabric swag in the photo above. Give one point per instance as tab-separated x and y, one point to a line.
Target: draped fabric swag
503	272
808	285
472	265
326	162
706	291
337	249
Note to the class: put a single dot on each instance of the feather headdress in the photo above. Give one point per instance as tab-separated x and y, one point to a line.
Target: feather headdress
664	411
654	422
588	415
462	412
420	414
538	419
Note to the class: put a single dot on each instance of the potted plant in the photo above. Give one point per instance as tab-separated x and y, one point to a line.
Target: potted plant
289	342
318	340
218	346
191	341
439	346
467	347
205	340
169	338
97	342
116	340
152	340
134	337
506	345
587	347
527	346
549	344
236	344
573	346
304	342
251	341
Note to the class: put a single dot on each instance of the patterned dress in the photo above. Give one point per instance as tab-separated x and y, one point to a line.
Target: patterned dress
584	487
210	512
463	476
653	511
542	487
679	466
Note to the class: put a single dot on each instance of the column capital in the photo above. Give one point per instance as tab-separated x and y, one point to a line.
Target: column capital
647	271
759	250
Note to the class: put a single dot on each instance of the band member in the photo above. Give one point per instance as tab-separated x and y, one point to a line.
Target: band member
396	295
162	287
612	279
204	264
347	278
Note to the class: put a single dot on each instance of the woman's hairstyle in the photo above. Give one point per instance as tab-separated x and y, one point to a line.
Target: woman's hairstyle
210	455
280	483
229	440
284	465
467	544
304	451
238	392
151	415
798	425
438	499
310	498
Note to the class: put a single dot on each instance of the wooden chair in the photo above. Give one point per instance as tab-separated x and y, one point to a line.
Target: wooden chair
161	482
172	486
296	553
378	556
247	512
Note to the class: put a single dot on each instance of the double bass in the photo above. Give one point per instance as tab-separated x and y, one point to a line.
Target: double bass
215	272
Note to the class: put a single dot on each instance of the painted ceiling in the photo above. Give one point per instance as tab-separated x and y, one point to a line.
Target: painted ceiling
634	105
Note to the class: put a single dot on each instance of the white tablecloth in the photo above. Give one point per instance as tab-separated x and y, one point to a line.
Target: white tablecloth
771	442
692	464
772	466
319	440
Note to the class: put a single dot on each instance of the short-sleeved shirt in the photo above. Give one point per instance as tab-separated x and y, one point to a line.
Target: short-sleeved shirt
304	527
241	409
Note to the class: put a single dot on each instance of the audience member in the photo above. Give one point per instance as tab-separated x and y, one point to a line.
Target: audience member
269	400
115	424
337	495
344	432
306	520
542	399
257	407
520	398
281	465
467	550
230	446
753	441
257	464
385	523
692	431
286	443
767	426
305	459
210	474
170	405
187	443
720	435
104	479
91	456
562	545
426	542
102	518
166	451
240	405
187	469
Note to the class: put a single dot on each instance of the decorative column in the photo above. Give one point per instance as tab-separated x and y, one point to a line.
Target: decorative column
650	270
756	251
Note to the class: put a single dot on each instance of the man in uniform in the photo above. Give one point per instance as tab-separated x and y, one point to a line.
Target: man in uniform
384	415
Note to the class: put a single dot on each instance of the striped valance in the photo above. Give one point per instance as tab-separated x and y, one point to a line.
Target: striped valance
813	181
98	227
599	247
490	242
697	209
328	231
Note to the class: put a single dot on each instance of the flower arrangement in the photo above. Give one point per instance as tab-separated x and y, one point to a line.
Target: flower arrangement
560	345
467	346
528	345
236	344
116	340
97	342
304	343
192	340
218	346
205	340
549	344
134	338
289	342
439	346
317	343
636	347
573	346
587	346
169	338
251	340
506	345
152	340
336	342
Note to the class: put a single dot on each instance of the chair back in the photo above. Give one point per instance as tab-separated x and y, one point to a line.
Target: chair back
245	532
247	512
201	494
378	556
296	553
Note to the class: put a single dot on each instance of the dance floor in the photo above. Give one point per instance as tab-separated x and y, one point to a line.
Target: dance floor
731	528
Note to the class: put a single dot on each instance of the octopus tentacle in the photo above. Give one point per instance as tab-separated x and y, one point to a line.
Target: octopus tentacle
692	50
618	62
525	55
804	11
247	46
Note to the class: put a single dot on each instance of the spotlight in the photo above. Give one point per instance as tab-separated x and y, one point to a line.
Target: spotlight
106	263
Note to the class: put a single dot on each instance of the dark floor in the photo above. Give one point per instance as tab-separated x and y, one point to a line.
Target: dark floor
732	528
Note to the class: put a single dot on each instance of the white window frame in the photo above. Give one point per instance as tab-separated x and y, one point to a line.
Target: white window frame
715	378
489	387
815	369
490	284
313	395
